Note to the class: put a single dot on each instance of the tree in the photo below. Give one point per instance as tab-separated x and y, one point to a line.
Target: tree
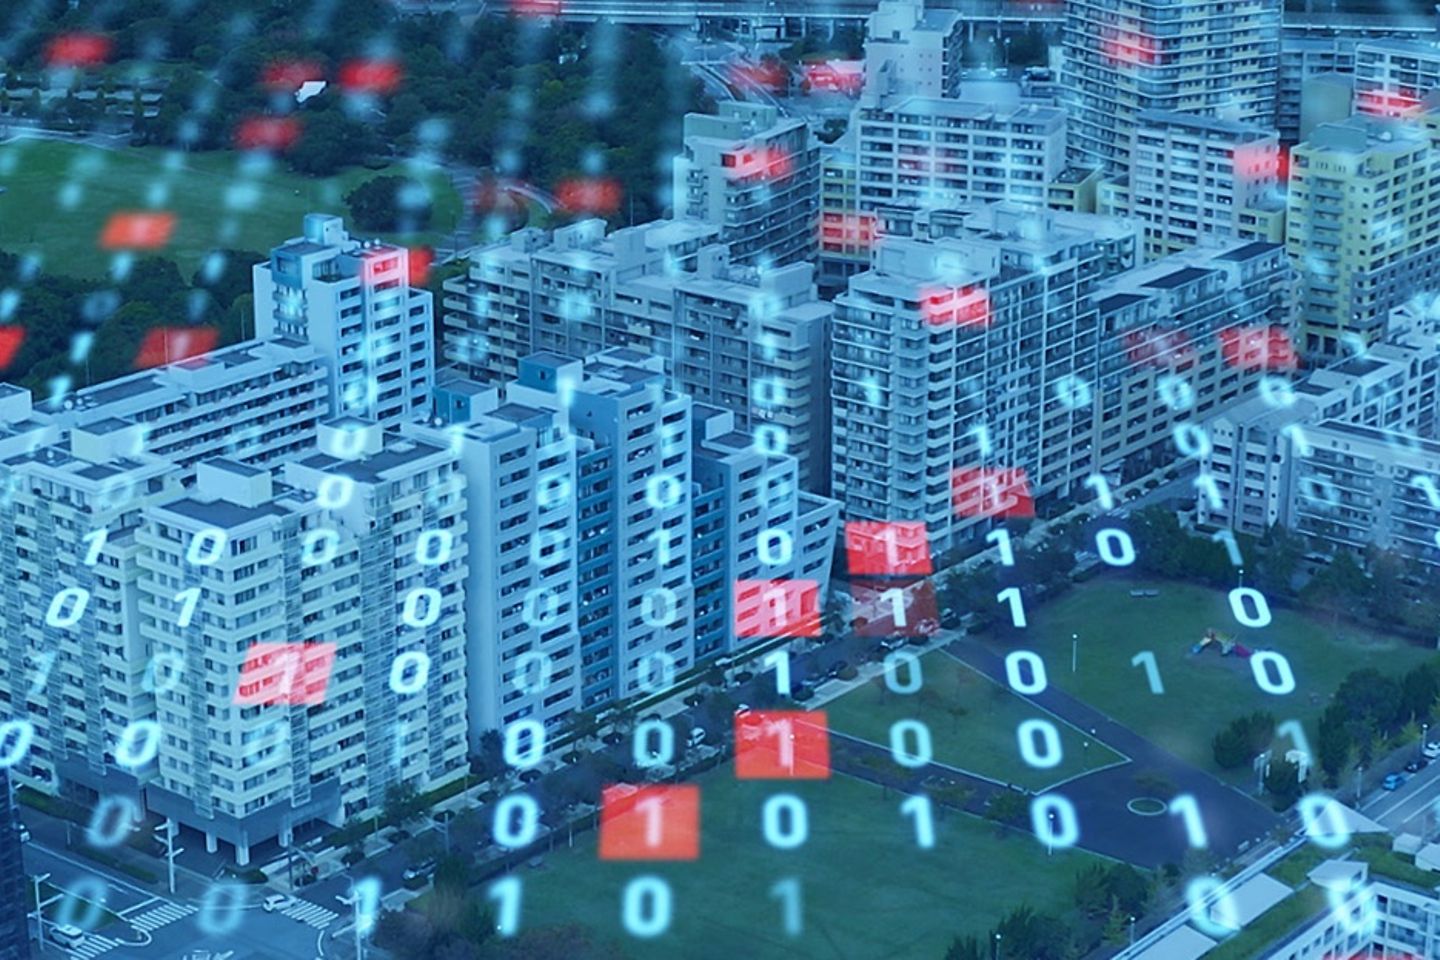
1333	744
1387	593
1274	566
331	141
1243	740
1418	691
390	205
1371	699
1027	935
1282	782
402	802
1008	807
568	942
966	948
1160	542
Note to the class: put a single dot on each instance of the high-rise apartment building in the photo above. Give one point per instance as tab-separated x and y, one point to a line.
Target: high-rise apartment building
522	595
1194	177
755	174
315	626
257	402
913	51
1362	226
353	301
1216	58
1393	76
733	336
14	897
632	435
1262	448
1027	346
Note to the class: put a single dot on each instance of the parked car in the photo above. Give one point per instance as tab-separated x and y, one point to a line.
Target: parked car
422	869
23	832
742	708
835	668
1393	781
67	934
277	901
802	693
1432	750
697	737
1416	765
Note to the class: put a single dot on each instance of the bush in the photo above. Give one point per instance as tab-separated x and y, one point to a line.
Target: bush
390	205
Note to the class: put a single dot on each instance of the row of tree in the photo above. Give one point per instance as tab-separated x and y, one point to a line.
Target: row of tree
1106	898
56	308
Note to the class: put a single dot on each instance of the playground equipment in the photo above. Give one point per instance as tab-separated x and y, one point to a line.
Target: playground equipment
1224	642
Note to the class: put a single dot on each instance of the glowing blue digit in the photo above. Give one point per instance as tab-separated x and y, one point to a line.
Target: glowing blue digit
524	743
903	753
210	920
1115	547
1282	682
913	677
517	820
1212	908
67	607
786	821
506	893
646	907
776	547
207	546
1192	441
1053	819
138	744
433	547
1049	754
409	672
1241	609
112	821
411	614
1325	822
16	736
662	751
1016	679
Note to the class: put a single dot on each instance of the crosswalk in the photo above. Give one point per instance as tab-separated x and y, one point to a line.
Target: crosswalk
157	917
312	914
92	946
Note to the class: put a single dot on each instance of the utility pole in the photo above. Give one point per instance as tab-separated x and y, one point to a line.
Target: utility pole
168	838
39	878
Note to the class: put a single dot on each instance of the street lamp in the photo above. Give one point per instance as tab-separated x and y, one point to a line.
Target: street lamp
1424	731
442	821
995	950
1074	652
168	838
39	878
1132	931
1358	771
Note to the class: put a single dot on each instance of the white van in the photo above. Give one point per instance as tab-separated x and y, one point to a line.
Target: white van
697	737
67	934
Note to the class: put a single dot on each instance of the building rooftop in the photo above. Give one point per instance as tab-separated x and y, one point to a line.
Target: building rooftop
1178	278
1247	252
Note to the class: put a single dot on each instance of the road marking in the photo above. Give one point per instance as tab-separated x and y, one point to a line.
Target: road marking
310	913
92	946
138	906
161	916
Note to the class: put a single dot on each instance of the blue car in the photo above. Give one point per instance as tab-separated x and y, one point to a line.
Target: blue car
1392	781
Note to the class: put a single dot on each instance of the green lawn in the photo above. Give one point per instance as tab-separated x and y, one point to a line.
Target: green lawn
972	721
1203	691
867	889
58	197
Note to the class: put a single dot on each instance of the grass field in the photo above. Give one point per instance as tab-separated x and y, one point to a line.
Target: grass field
867	889
59	195
1202	692
972	721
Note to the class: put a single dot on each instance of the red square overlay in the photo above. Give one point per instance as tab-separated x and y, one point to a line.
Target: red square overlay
873	611
134	230
371	76
955	306
777	608
589	195
285	673
173	344
1258	348
879	548
653	822
11	339
267	133
77	50
782	745
1157	347
1002	492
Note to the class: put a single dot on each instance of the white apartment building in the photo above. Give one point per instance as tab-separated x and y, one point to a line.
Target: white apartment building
1062	379
1217	58
1325	42
734	336
633	439
933	152
742	495
1256	443
353	301
942	348
521	597
913	51
1393	76
755	174
330	553
1193	177
257	402
1365	917
71	509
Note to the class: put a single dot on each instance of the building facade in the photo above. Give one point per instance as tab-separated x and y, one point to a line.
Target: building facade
1362	226
755	174
353	301
1214	58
